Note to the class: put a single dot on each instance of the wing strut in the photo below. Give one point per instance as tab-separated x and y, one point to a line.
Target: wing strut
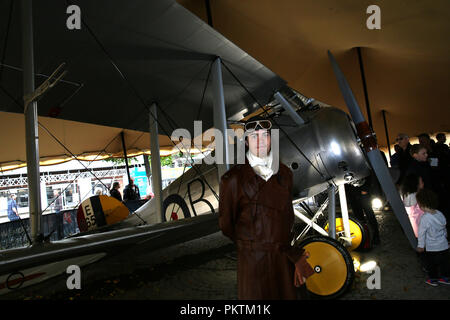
286	106
31	121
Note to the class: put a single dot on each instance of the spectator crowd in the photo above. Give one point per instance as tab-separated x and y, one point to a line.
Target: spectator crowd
424	183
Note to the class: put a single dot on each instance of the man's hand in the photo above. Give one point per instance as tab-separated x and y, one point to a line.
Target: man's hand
420	249
302	270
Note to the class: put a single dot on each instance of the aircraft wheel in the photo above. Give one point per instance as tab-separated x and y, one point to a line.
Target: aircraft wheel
175	202
333	266
357	232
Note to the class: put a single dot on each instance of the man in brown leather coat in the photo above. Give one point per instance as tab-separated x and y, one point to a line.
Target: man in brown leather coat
255	211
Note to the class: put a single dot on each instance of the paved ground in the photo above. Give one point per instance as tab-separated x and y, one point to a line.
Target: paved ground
400	271
205	269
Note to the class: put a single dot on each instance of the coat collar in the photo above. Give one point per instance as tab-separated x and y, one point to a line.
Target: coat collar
252	181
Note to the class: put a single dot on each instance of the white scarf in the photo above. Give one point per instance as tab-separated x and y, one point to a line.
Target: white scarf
261	166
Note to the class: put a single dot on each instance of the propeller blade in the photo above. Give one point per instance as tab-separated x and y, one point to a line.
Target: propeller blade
350	100
373	154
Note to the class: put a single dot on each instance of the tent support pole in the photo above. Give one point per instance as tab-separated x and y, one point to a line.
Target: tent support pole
125	156
208	13
156	162
31	122
363	78
387	133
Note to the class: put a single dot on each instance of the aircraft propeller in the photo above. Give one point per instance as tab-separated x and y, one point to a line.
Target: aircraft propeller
370	146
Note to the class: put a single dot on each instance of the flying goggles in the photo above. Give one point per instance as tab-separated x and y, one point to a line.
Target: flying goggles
262	124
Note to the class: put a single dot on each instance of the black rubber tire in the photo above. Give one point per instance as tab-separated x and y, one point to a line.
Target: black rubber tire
369	232
348	262
364	233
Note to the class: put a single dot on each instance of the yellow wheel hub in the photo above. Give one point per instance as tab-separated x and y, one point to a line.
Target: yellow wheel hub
355	232
329	266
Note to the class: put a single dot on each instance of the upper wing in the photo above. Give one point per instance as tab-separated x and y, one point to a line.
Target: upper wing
126	56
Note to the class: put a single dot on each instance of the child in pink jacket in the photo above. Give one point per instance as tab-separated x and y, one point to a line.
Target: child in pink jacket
410	186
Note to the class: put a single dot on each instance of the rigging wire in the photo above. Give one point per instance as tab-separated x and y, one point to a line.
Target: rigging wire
204	91
71	153
65	100
265	111
21	107
87	168
143	102
191	160
5	44
136	93
104	150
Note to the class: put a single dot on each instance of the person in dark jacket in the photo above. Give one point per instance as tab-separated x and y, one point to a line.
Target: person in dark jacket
131	192
359	198
255	212
443	155
405	157
420	166
395	159
114	192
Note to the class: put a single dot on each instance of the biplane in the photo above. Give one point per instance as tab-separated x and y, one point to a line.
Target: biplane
147	66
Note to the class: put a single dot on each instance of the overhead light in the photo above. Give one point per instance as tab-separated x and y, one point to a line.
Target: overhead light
367	266
377	204
356	264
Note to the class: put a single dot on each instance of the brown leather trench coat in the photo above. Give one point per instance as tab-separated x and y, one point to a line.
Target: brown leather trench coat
258	216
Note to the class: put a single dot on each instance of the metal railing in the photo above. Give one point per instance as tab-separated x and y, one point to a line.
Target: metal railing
55	225
59	225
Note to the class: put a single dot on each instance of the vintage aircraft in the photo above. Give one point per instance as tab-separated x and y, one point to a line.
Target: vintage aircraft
324	152
323	146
